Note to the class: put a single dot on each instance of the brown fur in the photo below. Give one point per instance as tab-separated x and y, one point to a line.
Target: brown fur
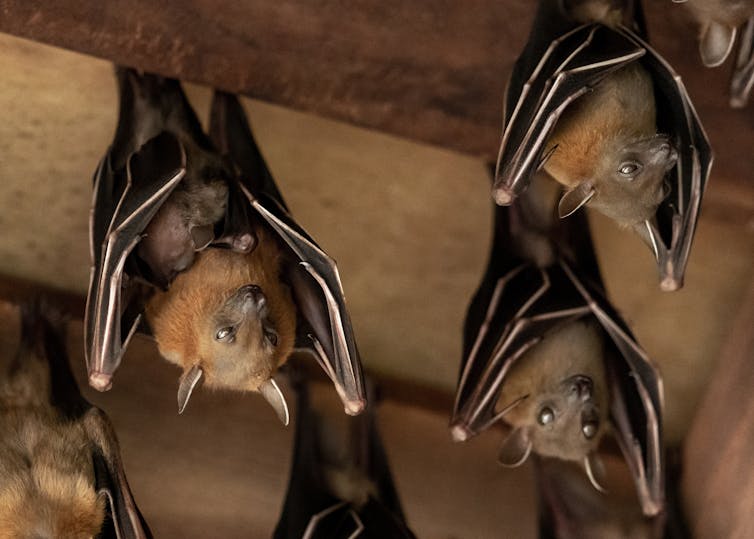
182	319
731	13
46	474
574	349
620	109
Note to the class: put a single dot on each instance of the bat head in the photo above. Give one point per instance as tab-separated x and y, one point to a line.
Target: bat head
628	184
561	410
228	321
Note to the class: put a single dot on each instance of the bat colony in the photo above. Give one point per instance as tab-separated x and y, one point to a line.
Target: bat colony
192	243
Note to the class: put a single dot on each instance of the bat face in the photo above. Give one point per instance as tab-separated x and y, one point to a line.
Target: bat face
607	152
562	383
229	315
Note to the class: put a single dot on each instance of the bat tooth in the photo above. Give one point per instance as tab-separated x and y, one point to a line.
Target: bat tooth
101	381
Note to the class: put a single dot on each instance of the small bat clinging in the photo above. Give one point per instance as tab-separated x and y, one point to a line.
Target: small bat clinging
193	232
59	460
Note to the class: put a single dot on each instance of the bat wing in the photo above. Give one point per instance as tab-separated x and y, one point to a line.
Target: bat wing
125	521
124	203
672	232
636	401
314	276
311	510
743	74
572	64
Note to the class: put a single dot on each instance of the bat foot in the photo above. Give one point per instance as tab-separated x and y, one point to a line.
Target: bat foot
460	433
101	381
355	407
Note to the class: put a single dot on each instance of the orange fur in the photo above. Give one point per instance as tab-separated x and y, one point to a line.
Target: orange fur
182	318
619	110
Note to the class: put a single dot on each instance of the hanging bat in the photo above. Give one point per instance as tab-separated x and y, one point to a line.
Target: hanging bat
569	508
605	116
171	207
61	469
719	24
547	354
339	488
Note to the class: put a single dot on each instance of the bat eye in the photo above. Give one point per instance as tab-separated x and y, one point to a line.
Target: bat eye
589	429
225	334
545	416
629	169
271	336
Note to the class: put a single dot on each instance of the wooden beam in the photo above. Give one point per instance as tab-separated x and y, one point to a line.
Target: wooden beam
718	484
428	70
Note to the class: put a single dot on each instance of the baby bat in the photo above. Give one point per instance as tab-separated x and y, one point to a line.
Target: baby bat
719	25
589	101
62	475
546	353
194	231
340	485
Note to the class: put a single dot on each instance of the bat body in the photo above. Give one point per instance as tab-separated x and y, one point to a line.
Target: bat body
192	230
230	315
606	152
591	103
340	485
59	463
547	355
720	23
561	392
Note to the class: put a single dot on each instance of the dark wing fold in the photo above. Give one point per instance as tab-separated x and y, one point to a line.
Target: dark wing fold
673	232
124	518
314	275
573	63
124	203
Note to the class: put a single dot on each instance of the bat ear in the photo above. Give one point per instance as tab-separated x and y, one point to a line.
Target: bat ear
575	198
716	43
272	394
515	449
595	471
189	381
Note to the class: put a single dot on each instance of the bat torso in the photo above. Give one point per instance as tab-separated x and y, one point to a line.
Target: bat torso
617	111
47	487
182	319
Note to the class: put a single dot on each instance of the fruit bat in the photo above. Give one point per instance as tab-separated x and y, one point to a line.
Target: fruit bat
62	474
545	352
720	22
337	489
193	230
594	105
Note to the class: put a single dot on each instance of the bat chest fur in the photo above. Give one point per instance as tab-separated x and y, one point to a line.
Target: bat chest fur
47	487
588	135
184	318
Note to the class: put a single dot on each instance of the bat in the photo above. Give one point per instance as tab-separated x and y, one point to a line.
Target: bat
192	231
569	508
540	302
591	103
59	459
720	22
339	489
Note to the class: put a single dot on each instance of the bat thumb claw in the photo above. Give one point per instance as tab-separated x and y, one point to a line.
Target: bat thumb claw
101	381
272	394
